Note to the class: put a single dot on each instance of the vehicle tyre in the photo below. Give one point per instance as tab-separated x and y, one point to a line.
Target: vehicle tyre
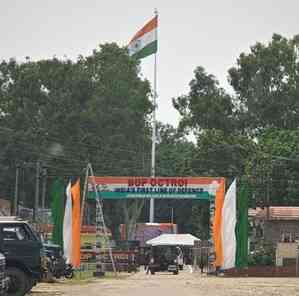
18	282
30	284
176	272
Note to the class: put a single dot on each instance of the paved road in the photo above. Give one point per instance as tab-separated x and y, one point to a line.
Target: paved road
184	284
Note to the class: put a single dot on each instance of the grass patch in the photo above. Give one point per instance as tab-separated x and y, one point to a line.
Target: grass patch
88	238
86	277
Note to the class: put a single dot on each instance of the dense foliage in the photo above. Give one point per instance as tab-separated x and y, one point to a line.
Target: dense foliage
66	113
97	109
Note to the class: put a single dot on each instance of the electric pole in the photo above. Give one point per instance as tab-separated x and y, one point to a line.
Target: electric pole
44	186
36	201
44	191
16	197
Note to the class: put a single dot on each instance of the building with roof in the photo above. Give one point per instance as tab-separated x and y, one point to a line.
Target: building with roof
275	224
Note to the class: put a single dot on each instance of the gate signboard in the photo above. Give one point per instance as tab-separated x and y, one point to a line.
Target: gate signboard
158	187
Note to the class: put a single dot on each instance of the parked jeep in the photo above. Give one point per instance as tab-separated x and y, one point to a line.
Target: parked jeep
164	258
24	254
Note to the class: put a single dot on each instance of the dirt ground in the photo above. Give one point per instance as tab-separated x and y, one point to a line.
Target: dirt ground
164	284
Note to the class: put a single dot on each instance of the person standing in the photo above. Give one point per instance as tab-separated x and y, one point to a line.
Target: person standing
147	262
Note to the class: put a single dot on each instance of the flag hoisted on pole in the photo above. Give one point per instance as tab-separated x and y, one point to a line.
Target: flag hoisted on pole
143	44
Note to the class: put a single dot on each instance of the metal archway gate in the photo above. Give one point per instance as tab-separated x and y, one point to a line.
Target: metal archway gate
196	188
155	187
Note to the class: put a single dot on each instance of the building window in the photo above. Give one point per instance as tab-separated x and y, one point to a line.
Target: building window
287	237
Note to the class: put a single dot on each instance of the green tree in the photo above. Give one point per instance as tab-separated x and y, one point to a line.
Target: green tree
175	157
219	154
206	106
266	83
174	152
273	169
65	113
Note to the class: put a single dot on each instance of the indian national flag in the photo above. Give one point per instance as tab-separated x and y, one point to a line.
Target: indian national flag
145	42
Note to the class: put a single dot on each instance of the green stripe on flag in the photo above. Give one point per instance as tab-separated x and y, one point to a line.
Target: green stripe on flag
242	228
151	48
57	196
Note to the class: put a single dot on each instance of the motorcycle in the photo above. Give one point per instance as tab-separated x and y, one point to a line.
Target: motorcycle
69	271
57	266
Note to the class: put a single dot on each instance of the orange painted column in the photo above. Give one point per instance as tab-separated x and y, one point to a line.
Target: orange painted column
76	229
217	223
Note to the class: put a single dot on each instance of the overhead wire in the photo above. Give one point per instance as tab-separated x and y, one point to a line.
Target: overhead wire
70	161
61	156
56	140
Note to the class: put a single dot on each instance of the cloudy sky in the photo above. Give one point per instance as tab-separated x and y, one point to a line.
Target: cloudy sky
191	33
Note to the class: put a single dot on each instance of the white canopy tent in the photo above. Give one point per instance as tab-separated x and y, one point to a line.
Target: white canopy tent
173	240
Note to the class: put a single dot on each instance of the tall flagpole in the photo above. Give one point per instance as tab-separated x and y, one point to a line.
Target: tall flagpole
153	167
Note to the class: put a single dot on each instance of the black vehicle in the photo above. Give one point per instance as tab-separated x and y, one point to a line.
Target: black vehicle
163	258
24	254
3	278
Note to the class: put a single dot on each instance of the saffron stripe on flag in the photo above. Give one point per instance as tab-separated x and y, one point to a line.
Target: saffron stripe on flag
76	224
151	25
217	224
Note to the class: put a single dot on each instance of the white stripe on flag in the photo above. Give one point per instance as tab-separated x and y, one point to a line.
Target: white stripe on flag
229	213
142	42
67	225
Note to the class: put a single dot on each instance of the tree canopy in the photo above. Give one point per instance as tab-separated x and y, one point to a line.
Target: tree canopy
266	83
65	113
206	106
252	131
